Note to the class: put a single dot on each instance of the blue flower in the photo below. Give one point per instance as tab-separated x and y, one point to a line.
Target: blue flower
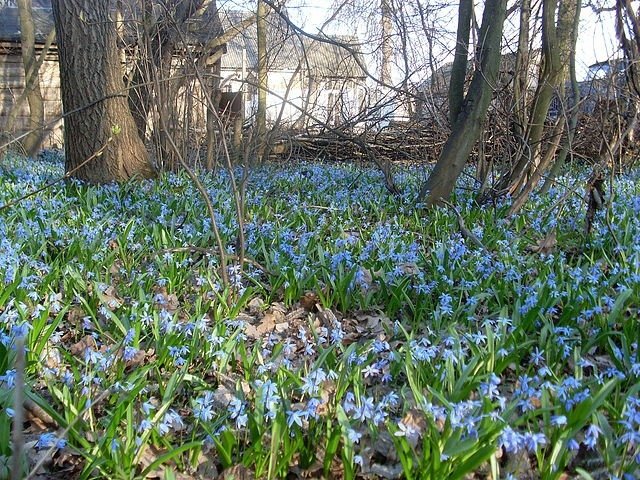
48	440
537	357
510	440
203	408
353	435
445	304
591	436
558	420
534	440
9	378
366	410
296	417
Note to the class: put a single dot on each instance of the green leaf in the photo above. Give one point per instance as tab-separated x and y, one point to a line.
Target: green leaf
276	440
618	306
170	455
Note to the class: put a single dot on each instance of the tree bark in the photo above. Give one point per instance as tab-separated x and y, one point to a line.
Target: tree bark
159	40
93	95
212	121
521	74
574	109
558	40
460	60
386	46
261	114
468	124
15	109
33	140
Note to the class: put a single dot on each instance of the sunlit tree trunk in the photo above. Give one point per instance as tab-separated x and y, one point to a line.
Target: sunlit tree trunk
466	130
386	45
261	114
212	119
574	110
93	96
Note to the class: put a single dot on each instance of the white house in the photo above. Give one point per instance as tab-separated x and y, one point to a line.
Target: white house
319	78
304	75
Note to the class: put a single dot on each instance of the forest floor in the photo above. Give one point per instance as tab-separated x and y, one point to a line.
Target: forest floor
364	338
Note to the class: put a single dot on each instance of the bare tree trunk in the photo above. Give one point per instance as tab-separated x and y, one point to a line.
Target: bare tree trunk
93	95
521	77
557	42
386	46
212	116
159	38
426	31
460	60
466	130
263	81
574	109
628	32
32	142
15	109
537	174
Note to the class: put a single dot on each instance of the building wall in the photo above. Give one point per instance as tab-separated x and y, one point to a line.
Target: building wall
333	101
12	86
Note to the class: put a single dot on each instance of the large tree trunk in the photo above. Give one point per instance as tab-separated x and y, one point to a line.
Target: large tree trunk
460	60
32	142
468	125
574	109
93	96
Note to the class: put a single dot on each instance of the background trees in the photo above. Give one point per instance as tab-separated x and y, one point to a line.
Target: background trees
467	123
420	78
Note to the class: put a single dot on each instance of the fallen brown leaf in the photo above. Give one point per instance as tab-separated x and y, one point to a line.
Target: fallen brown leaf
80	347
237	472
545	245
309	300
255	305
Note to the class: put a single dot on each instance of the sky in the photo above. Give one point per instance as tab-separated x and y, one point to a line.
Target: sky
596	40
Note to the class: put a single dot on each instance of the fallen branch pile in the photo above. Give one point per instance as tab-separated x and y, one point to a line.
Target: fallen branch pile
414	142
386	145
422	142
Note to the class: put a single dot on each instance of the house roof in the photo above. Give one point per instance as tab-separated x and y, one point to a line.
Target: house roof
286	48
199	29
10	24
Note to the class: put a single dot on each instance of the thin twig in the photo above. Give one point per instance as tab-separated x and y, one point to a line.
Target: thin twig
207	251
466	233
205	197
237	197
